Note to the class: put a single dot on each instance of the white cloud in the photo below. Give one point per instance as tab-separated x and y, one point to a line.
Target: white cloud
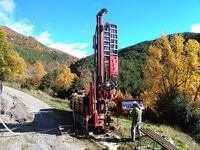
6	11
75	49
23	26
44	38
26	27
7	6
4	18
195	28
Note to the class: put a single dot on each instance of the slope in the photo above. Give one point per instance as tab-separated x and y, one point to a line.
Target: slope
32	50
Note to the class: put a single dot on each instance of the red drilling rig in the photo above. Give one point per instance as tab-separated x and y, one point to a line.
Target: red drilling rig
91	112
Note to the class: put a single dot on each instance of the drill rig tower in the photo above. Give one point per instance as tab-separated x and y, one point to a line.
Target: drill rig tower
106	64
92	112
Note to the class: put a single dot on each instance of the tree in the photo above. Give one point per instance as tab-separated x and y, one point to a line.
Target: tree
12	66
48	81
17	65
76	86
65	78
37	72
85	78
172	64
63	82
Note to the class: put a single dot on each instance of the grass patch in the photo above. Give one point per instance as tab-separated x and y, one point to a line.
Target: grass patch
174	135
56	103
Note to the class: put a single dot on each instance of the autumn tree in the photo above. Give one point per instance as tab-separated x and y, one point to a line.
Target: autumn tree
128	96
63	82
172	64
37	72
12	66
65	78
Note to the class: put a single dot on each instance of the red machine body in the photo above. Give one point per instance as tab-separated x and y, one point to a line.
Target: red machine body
92	111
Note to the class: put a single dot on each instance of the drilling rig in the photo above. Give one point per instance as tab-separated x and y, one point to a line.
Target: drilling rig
91	112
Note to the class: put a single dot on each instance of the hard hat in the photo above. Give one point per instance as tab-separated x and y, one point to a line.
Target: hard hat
135	104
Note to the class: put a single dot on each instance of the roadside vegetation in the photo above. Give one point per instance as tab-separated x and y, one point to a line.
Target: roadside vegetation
182	140
164	73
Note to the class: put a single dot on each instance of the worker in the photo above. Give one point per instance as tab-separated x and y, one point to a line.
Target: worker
136	116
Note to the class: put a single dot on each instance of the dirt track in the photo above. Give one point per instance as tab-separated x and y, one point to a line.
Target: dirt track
32	119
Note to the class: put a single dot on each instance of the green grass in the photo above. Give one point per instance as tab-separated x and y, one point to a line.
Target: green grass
180	139
57	103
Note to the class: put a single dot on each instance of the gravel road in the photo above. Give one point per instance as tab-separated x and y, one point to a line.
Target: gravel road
29	117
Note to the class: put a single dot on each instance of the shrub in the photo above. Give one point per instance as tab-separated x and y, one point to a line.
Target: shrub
77	85
178	109
48	82
28	84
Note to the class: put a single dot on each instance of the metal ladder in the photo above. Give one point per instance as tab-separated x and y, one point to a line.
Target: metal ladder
159	139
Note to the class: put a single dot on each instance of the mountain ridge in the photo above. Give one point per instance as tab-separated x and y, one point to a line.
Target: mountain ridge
28	45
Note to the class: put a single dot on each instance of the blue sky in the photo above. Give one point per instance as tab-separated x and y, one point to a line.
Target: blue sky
69	25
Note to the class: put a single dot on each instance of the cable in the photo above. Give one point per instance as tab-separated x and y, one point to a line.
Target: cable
7	127
20	134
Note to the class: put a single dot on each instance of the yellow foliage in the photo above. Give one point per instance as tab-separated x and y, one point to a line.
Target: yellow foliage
37	72
18	68
65	78
128	96
120	94
12	66
172	64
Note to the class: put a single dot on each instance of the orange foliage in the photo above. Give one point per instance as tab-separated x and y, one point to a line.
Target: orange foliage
37	72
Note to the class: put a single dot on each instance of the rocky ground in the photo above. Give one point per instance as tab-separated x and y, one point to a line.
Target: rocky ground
33	123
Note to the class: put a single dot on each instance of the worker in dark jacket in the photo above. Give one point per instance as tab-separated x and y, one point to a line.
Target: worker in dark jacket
136	116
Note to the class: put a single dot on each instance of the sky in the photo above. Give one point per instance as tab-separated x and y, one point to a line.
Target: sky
69	25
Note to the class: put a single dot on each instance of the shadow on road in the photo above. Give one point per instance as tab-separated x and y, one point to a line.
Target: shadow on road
55	122
47	121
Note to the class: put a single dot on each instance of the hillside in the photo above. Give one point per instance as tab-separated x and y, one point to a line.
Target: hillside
32	50
131	61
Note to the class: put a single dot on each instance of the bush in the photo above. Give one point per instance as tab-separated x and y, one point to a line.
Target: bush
47	84
28	84
112	106
61	92
177	108
75	87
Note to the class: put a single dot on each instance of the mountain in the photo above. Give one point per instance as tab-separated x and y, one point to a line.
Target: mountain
32	50
131	62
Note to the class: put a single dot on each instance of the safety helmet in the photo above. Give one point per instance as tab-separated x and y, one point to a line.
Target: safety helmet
135	104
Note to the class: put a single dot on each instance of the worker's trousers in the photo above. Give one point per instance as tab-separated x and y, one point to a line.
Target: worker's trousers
135	128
